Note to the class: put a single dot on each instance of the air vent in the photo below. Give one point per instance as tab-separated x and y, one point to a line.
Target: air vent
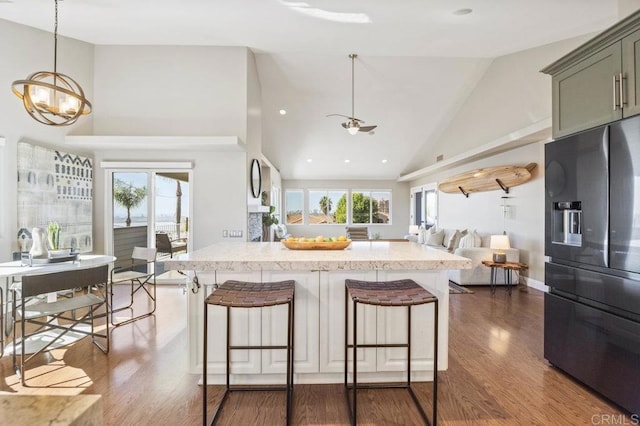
440	157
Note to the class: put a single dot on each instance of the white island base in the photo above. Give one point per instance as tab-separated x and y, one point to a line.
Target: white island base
319	316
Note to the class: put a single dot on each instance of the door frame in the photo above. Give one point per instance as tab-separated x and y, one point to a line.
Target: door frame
111	167
423	189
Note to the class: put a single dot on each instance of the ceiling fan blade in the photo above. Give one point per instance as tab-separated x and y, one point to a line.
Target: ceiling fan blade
367	128
346	116
339	115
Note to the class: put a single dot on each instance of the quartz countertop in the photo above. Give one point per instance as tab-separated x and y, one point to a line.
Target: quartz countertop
360	255
51	409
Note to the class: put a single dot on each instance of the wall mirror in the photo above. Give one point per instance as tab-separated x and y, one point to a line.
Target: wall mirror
256	178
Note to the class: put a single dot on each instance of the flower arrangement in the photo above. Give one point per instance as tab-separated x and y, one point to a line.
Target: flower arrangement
53	232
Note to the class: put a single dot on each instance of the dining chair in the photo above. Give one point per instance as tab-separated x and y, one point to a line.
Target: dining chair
45	325
139	273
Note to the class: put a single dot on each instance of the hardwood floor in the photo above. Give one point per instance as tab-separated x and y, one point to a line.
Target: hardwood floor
497	375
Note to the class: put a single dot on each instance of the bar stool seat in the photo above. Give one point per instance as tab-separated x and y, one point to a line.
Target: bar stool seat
398	293
242	294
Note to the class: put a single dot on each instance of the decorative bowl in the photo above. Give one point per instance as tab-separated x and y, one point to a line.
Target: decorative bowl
332	245
60	252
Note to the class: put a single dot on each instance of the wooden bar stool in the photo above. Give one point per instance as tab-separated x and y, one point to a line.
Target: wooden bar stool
388	294
239	294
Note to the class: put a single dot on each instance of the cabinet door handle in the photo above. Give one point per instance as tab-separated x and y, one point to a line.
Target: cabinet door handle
622	101
615	93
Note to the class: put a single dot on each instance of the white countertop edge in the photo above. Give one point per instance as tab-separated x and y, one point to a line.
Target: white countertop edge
238	256
242	266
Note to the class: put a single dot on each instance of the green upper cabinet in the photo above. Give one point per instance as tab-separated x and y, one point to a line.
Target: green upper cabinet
599	82
587	94
631	74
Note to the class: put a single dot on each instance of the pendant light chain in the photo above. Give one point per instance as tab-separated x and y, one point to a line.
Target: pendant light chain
55	41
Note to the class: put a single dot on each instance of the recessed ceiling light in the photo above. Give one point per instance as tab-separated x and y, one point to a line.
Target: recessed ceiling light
309	160
347	161
283	112
384	161
461	12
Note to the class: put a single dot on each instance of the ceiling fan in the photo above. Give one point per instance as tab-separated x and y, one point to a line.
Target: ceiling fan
353	125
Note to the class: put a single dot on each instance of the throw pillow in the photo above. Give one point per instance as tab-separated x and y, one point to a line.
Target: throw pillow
477	240
466	241
448	234
454	241
281	230
436	238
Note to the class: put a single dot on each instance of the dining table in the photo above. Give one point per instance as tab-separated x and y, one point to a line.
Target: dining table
12	272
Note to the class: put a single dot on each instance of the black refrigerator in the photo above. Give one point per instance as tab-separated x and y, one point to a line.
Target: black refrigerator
592	240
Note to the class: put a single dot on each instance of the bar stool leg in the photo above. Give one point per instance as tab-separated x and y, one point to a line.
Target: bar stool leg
355	363
409	346
2	322
435	364
289	372
228	346
346	339
204	366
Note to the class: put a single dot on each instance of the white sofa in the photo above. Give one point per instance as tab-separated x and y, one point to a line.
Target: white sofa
478	274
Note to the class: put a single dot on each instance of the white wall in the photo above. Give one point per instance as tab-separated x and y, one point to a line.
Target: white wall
482	211
254	119
218	193
170	91
513	94
26	50
627	7
181	91
399	207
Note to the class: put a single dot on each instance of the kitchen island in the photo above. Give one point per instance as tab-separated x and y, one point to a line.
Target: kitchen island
319	309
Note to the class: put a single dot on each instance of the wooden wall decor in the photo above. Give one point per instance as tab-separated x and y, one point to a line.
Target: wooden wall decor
487	179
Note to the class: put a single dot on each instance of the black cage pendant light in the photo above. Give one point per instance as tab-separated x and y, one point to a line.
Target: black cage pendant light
50	97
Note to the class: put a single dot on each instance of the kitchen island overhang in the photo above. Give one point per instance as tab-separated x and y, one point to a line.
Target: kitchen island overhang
319	329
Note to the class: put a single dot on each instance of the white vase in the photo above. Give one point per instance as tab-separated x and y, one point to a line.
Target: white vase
39	247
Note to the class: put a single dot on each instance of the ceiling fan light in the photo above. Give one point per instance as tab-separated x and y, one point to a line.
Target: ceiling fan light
353	127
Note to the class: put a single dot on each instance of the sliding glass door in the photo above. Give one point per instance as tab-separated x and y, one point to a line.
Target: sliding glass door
131	207
145	203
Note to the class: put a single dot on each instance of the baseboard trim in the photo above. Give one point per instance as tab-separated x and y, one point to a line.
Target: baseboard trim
538	285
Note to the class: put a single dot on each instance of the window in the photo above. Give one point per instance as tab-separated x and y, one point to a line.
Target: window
371	207
323	207
294	200
275	201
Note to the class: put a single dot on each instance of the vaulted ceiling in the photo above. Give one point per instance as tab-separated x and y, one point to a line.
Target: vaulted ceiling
417	62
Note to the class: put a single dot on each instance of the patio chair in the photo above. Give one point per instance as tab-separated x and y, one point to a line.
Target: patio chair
139	273
166	245
357	233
